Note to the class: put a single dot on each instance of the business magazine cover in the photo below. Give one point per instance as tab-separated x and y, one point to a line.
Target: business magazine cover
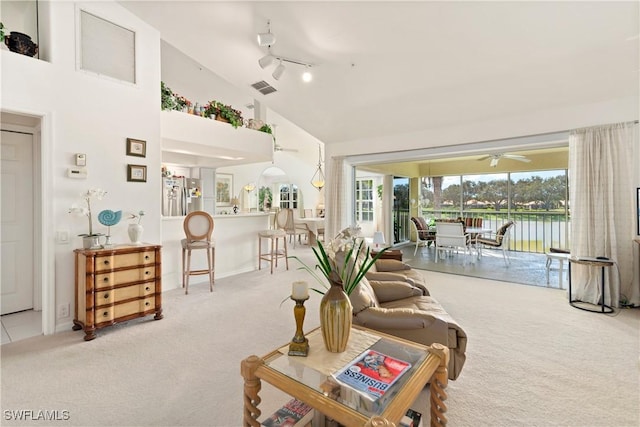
372	373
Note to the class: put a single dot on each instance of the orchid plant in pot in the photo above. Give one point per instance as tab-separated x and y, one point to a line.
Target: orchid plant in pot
342	263
90	240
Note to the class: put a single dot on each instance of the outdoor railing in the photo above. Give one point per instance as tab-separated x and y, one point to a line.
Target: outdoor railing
533	231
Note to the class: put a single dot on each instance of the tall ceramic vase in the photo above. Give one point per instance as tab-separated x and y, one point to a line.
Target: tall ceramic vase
336	314
135	233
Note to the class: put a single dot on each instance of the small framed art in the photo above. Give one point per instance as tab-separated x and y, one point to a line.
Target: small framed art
224	189
136	147
136	173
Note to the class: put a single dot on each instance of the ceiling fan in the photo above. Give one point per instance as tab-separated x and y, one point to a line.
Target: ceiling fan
495	158
278	147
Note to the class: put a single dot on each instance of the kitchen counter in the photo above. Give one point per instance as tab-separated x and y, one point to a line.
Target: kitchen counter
236	238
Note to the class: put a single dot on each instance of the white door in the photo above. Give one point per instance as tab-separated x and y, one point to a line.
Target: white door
16	234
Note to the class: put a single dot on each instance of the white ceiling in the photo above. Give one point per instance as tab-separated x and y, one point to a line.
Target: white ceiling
389	67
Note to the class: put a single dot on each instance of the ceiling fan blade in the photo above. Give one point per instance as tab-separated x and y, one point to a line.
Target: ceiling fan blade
280	148
518	158
484	158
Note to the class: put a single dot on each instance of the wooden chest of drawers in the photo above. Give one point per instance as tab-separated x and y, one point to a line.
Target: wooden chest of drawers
116	284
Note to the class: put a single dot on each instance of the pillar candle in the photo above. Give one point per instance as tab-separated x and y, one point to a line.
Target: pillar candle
300	290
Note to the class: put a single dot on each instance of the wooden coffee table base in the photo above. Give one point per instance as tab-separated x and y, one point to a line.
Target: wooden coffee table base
254	370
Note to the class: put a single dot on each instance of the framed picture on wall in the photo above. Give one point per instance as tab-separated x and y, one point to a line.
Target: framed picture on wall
224	189
136	173
136	147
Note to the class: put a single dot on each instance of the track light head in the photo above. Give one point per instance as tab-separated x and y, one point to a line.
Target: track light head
266	39
277	73
265	61
307	76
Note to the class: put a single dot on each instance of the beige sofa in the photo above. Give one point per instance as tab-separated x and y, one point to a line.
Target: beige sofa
401	309
391	269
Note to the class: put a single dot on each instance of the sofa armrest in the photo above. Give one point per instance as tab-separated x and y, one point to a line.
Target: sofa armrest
391	290
400	318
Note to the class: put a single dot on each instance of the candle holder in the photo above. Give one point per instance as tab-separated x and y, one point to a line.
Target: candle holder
299	345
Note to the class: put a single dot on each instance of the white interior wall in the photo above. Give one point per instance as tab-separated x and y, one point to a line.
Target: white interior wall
198	84
93	115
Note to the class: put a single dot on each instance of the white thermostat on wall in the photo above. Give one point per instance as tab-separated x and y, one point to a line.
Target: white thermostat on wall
79	173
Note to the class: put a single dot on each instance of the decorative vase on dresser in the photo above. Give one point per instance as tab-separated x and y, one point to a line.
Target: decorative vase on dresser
115	285
135	233
336	316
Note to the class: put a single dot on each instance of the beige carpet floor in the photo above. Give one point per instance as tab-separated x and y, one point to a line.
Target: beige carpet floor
532	360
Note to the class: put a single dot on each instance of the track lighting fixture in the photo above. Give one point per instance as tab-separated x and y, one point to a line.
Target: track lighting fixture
265	61
307	76
277	73
266	39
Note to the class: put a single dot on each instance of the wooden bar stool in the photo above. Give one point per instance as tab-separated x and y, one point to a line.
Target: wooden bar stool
198	227
275	252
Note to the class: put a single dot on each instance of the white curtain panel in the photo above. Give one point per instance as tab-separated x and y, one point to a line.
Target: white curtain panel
336	198
603	214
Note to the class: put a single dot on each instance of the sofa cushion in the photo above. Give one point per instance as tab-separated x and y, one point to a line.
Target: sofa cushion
390	265
389	290
363	297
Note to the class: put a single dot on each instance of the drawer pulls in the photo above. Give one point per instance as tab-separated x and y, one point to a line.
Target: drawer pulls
147	257
106	296
146	273
105	314
147	303
105	280
106	262
147	288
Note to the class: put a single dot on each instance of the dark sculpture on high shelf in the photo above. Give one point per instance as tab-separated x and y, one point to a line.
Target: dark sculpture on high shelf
21	43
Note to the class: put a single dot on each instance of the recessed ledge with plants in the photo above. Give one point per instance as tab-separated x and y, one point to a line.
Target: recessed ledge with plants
213	109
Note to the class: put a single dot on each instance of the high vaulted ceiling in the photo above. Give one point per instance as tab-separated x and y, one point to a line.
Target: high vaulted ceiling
381	68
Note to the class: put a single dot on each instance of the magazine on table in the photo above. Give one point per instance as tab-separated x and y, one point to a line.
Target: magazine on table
372	373
293	413
411	419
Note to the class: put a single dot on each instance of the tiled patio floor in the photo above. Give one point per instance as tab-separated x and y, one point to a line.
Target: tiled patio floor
525	268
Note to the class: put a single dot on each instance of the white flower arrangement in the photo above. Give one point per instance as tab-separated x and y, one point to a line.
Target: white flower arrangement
137	216
92	193
346	245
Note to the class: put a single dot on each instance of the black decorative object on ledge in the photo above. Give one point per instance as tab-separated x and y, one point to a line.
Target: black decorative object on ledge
21	43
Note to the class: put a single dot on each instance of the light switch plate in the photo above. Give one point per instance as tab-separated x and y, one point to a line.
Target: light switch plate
81	159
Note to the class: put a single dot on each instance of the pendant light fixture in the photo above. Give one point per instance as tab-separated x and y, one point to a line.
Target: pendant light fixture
318	178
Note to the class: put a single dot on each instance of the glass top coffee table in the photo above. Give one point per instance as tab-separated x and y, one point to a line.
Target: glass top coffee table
310	380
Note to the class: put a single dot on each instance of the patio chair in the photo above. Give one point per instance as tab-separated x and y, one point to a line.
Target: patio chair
424	236
451	236
499	240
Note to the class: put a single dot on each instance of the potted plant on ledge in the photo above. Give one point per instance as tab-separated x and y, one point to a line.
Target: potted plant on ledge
224	113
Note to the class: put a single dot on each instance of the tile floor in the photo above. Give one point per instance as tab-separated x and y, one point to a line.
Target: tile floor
525	268
21	325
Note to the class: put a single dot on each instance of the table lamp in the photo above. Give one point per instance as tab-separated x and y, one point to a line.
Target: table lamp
378	238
